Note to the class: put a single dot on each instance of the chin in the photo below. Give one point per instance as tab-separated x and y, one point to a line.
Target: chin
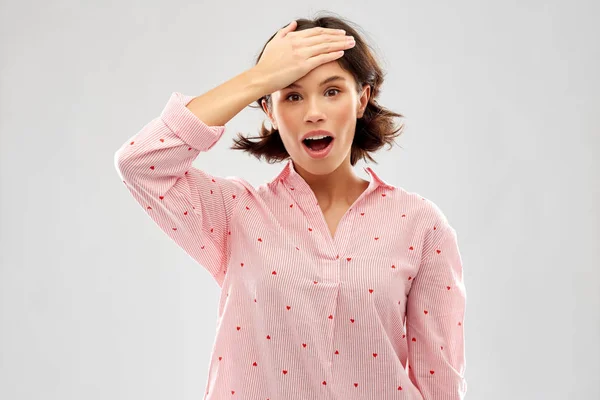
318	167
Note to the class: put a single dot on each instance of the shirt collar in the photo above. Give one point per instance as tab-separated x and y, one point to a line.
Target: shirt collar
290	178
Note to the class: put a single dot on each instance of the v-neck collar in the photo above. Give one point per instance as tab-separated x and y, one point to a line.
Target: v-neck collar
304	196
294	181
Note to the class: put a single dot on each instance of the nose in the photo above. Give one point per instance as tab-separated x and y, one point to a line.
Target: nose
314	112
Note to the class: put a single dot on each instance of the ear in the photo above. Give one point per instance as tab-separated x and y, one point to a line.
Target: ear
268	112
363	100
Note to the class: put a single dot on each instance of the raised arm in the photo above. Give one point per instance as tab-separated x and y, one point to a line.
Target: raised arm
192	206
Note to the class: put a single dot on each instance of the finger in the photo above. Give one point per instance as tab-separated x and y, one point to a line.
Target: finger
316	31
339	40
290	27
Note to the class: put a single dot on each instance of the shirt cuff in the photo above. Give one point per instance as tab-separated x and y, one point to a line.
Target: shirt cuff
189	128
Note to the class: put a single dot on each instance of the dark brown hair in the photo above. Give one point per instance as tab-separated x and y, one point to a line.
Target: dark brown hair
373	130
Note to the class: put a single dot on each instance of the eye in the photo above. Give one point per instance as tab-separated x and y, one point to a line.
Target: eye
293	94
337	90
296	94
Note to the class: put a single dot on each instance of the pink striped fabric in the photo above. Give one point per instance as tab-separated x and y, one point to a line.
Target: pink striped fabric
375	312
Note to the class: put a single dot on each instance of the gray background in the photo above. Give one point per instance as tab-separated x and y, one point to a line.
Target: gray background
501	104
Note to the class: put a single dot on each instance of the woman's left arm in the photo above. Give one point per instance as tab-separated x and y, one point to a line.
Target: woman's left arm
434	319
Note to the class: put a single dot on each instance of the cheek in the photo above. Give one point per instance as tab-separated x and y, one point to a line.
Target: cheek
287	140
346	123
344	114
288	127
288	119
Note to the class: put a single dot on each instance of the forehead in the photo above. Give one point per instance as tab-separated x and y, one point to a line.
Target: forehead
319	74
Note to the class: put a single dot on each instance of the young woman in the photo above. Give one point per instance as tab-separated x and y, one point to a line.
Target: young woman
333	287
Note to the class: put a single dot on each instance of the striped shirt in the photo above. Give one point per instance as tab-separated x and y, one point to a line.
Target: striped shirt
374	312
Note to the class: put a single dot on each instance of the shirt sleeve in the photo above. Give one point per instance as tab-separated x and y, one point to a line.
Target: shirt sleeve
191	206
434	319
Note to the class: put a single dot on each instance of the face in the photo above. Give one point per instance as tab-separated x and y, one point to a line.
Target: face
310	105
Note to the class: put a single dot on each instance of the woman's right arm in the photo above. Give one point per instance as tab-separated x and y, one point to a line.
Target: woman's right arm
190	205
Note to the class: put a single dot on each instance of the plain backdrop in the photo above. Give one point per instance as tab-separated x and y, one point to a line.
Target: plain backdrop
501	103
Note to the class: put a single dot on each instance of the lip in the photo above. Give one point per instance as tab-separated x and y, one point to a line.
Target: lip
320	153
317	133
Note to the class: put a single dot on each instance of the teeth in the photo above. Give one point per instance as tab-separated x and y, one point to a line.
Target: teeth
317	137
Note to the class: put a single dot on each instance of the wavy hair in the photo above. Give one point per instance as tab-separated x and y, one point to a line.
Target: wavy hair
373	130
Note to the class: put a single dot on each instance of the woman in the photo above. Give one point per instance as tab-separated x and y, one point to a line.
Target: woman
332	286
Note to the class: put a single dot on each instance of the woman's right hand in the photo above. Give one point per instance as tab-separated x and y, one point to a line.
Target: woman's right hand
291	55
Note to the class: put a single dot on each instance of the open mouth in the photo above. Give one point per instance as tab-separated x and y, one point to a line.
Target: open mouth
317	145
318	148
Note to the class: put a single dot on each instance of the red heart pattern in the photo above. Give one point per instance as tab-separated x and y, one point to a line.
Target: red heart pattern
314	276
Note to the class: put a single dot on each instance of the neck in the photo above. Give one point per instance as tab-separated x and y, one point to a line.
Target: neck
341	187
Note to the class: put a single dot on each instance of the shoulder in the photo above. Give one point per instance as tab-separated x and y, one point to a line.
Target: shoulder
427	219
420	206
435	225
434	212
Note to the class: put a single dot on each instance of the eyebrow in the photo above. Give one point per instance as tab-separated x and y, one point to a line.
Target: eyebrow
326	81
